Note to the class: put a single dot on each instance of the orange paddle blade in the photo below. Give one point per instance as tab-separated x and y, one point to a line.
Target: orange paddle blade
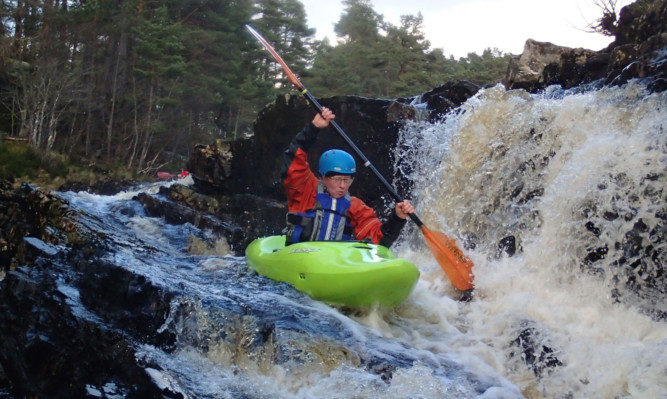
295	81
456	265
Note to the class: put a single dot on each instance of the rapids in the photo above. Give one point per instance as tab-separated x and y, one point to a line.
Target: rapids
571	305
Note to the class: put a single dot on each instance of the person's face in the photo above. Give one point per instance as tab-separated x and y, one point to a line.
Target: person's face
337	185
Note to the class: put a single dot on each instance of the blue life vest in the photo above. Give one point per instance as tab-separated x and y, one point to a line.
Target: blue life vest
327	220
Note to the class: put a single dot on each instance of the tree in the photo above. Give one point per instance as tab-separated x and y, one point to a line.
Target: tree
487	68
140	83
220	57
282	23
144	78
378	59
407	54
42	96
43	82
359	22
357	65
607	24
158	67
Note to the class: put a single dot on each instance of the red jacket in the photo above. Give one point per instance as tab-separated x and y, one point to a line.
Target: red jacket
301	187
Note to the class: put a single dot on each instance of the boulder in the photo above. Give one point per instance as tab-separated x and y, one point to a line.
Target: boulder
210	167
640	21
446	97
49	351
525	70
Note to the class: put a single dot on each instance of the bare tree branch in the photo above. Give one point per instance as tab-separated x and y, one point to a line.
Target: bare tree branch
607	24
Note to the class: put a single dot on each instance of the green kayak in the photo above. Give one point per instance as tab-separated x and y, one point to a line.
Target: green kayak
348	273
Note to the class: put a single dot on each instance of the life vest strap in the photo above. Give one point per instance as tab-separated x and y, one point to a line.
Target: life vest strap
295	219
301	227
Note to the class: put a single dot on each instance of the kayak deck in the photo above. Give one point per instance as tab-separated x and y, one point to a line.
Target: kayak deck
349	273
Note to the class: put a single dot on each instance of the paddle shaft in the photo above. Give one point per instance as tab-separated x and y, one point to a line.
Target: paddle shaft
456	265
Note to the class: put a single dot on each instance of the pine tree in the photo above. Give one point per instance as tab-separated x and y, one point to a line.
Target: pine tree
283	24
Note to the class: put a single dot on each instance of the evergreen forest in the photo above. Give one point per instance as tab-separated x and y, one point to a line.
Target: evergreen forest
137	84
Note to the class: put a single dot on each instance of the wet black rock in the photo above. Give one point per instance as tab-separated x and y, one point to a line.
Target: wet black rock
239	218
446	97
533	348
50	349
28	212
636	259
507	246
53	345
211	167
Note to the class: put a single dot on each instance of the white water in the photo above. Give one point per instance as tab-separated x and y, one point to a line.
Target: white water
608	349
581	155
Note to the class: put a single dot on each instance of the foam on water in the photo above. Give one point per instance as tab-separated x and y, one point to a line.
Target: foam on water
580	155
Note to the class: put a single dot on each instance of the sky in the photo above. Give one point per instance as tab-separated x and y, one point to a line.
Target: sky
460	27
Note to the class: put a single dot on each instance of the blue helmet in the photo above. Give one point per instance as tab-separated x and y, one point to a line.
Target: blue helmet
337	162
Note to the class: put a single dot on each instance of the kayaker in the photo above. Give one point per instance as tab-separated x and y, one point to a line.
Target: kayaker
320	206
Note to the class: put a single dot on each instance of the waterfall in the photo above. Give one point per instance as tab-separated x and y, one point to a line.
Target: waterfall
575	181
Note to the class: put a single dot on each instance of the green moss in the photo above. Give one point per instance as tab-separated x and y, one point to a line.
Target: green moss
18	160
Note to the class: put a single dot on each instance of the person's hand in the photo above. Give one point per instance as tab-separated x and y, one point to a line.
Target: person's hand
322	119
403	209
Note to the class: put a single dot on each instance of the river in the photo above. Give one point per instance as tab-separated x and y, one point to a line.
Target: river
571	182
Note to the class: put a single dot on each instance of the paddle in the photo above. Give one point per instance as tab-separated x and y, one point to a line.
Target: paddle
456	265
